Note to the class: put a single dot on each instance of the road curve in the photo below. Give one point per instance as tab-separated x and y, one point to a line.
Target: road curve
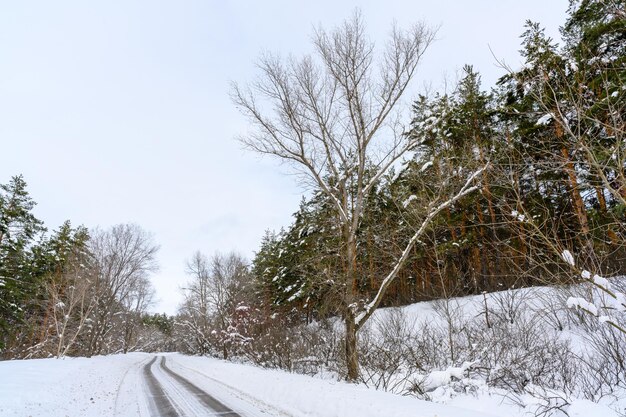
167	399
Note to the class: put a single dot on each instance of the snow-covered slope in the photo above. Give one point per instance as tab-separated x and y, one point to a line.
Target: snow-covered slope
545	310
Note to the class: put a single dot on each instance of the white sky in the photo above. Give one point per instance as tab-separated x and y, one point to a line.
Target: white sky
118	111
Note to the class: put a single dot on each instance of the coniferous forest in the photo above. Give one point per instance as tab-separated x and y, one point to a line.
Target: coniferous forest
488	191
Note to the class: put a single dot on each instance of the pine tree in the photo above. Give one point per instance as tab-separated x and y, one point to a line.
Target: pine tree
19	277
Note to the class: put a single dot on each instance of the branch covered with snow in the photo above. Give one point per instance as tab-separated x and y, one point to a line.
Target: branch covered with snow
466	189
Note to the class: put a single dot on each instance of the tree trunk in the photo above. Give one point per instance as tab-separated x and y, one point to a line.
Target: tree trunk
577	201
352	353
450	224
485	265
351	294
602	203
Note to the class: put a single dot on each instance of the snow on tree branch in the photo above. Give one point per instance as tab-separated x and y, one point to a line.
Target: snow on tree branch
466	189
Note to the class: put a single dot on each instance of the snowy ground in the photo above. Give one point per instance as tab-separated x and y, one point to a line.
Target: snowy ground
115	386
99	386
119	385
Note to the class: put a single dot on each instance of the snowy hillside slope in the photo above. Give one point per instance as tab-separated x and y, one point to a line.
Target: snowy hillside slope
537	322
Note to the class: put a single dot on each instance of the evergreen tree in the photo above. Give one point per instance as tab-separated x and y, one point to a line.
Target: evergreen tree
19	277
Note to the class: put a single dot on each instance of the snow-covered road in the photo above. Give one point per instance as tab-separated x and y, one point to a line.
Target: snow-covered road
160	403
173	395
174	385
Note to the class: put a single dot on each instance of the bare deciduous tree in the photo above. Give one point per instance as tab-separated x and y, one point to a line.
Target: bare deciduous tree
72	305
335	119
211	298
139	299
195	308
124	256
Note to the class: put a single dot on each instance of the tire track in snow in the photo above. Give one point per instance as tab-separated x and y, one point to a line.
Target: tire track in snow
116	407
172	395
160	404
210	402
262	406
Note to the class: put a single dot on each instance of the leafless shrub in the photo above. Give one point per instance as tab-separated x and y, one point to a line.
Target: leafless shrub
509	304
523	353
386	351
604	363
544	403
452	314
552	308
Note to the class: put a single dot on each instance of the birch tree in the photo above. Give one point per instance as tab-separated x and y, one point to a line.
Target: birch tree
335	117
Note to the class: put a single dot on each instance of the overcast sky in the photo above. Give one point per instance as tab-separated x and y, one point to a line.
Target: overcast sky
118	111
